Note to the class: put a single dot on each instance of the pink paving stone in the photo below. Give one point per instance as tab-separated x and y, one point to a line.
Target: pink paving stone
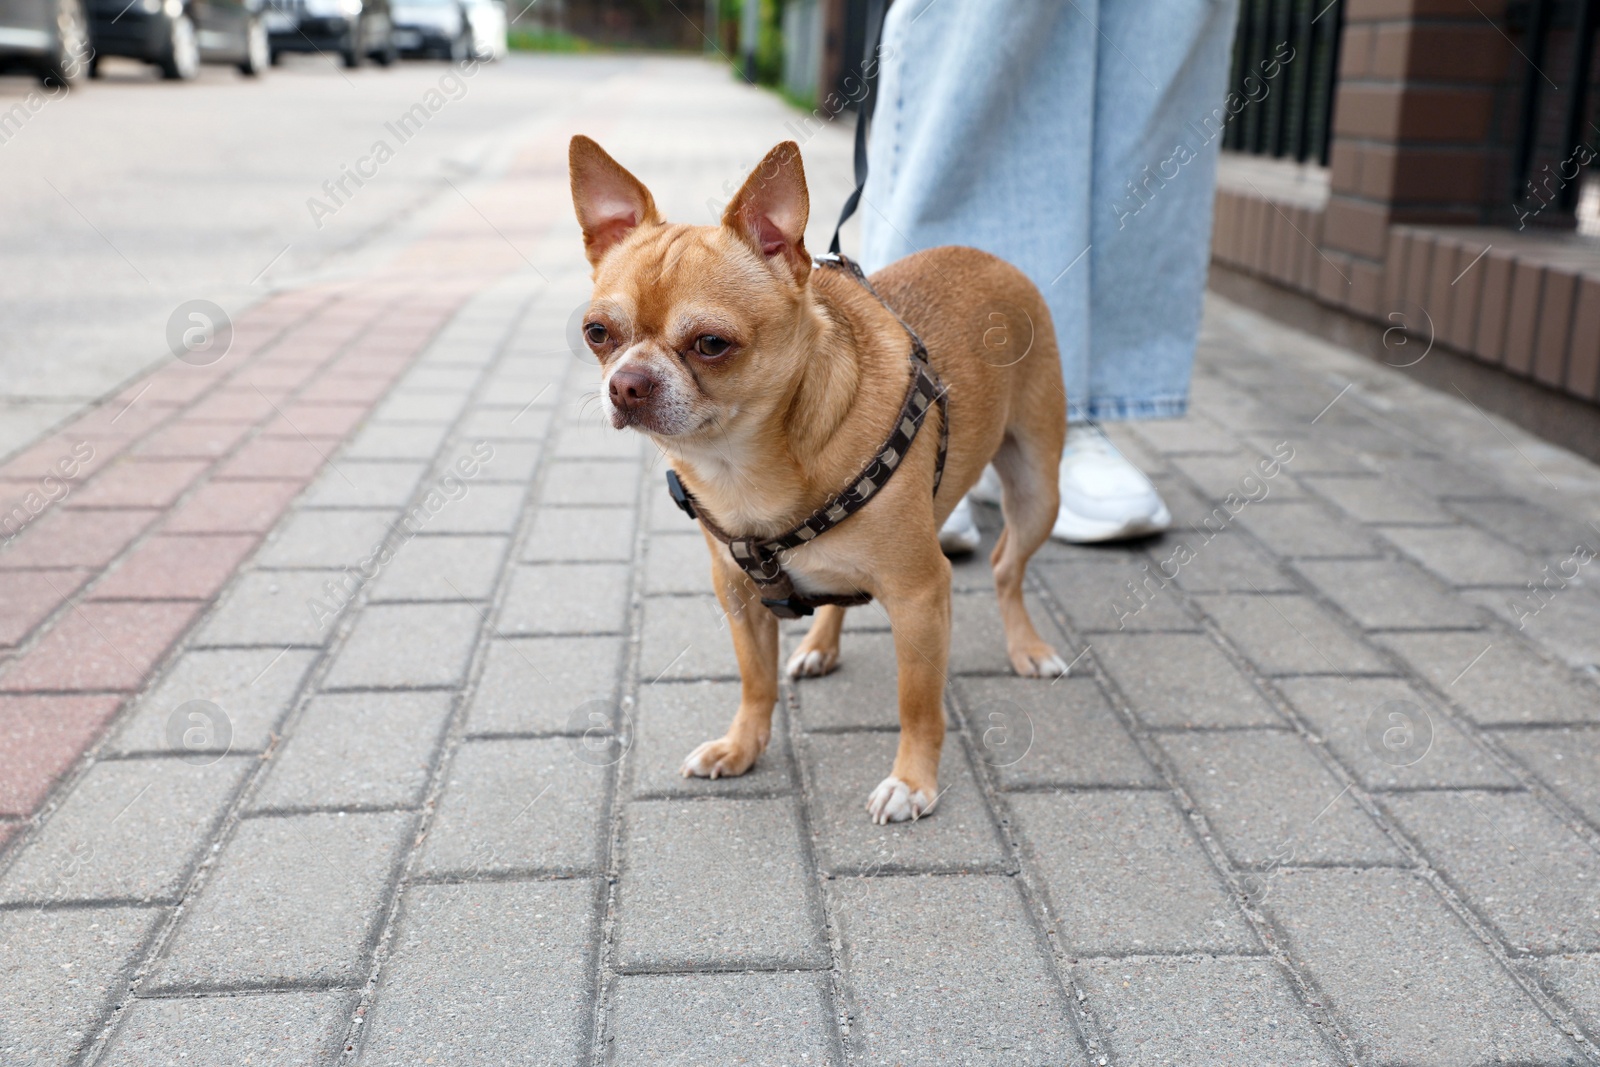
8	830
41	736
278	457
59	453
354	366
330	389
234	506
317	420
177	567
137	482
30	596
174	383
232	405
100	646
63	538
183	438
286	376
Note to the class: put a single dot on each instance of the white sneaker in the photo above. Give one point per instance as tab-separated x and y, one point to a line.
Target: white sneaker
959	535
1103	496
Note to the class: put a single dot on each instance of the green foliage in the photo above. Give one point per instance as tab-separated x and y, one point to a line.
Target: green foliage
547	41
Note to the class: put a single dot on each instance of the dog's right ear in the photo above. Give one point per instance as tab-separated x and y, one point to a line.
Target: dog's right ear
610	202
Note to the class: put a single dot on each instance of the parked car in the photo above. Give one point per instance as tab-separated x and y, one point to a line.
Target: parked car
179	35
437	28
487	19
356	30
48	38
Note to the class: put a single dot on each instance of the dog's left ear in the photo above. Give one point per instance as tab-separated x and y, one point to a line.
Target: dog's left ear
610	202
770	211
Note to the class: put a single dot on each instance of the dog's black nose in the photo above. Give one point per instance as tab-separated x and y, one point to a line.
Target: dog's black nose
630	388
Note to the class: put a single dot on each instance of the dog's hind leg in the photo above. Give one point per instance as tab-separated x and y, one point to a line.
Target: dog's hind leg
819	652
1029	500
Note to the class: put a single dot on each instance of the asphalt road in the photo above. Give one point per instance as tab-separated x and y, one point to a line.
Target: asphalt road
130	195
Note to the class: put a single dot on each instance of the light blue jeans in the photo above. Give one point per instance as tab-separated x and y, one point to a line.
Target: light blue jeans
1078	140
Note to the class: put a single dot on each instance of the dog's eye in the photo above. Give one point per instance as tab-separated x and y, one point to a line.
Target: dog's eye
595	334
711	346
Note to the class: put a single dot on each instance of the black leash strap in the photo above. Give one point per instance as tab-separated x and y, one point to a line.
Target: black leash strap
869	75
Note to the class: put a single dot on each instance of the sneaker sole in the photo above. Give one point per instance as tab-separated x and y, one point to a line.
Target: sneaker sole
1075	530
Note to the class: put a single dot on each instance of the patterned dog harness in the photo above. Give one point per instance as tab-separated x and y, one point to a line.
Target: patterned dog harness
760	559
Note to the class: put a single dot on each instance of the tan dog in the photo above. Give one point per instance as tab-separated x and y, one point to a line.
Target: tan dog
769	383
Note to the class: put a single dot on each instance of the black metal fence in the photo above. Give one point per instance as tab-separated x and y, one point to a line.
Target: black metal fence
1285	62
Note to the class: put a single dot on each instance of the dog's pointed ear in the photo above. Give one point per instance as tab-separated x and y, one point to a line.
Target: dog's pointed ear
610	202
770	211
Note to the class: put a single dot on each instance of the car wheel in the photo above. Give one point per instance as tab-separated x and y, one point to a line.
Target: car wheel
257	50
182	61
72	56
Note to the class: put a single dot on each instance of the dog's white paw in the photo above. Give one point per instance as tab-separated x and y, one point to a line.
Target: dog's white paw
717	759
893	801
1043	663
813	663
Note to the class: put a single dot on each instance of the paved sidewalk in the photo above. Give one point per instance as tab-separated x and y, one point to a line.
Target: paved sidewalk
344	724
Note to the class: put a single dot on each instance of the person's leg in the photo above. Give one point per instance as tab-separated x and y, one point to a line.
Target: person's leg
981	137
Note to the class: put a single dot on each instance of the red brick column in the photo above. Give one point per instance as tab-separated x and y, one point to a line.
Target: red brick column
1411	134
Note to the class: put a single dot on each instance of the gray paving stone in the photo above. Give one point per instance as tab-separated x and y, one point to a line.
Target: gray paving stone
392	441
1355	718
1444	478
1575	981
1518	521
1194	435
492	973
513	462
759	911
1290	635
686	637
519	806
1462	556
540	685
335	537
959	834
451	567
970	939
1306	530
591	482
1568	626
1125	875
1060	733
674	718
1565	759
486	507
1524	870
663	515
511	423
358	750
130	830
252	687
269	1028
1182	680
1313	453
568	598
360	483
783	1019
1202	1009
1372	499
1497	680
272	609
87	951
679	564
431	406
405	645
1408	982
862	692
1226	563
580	535
1238	474
978	639
599	440
297	899
1270	802
1101	596
1385	595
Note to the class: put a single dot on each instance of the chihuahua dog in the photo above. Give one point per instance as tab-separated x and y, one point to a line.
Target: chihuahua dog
770	382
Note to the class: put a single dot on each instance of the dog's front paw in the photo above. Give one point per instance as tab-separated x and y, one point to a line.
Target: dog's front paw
1038	661
894	801
722	758
812	662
